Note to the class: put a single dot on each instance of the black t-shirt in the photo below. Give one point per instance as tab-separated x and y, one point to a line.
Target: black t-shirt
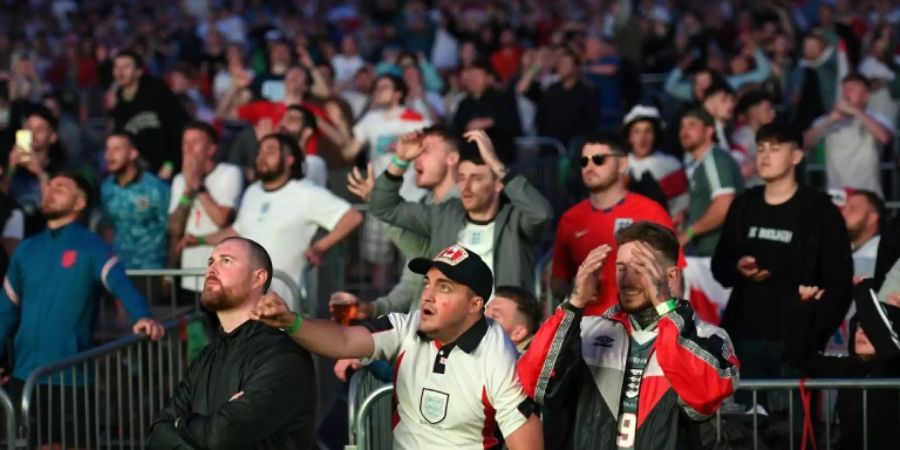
770	234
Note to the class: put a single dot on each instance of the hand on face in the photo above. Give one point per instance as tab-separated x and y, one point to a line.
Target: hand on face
654	278
586	279
409	146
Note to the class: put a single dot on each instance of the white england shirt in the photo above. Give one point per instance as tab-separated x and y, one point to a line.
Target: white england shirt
284	222
457	395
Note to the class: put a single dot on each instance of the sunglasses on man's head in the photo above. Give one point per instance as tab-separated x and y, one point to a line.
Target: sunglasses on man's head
599	159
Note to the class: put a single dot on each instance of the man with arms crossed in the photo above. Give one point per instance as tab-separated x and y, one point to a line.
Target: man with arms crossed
251	388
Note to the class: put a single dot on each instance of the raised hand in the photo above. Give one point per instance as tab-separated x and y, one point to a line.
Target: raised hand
486	149
586	279
359	186
409	146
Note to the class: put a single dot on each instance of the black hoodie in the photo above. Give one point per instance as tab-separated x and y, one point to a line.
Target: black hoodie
156	118
819	255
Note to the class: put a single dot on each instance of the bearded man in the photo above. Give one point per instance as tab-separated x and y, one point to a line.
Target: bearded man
283	210
251	388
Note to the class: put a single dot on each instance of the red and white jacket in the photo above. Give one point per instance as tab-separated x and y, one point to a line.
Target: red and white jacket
576	364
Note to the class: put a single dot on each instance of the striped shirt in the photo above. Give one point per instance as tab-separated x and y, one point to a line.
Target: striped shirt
714	174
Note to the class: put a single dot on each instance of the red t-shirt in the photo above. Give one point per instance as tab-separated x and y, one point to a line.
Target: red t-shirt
583	228
258	110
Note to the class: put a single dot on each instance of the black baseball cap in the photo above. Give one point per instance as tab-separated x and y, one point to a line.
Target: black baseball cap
880	321
460	265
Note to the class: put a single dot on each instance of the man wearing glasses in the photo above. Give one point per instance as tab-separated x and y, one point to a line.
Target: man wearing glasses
594	221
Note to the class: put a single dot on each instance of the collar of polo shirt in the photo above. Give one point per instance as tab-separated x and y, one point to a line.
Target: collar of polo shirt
469	340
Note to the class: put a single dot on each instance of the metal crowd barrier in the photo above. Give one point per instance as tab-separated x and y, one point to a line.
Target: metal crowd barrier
107	396
145	280
9	421
362	385
544	162
826	386
363	419
368	406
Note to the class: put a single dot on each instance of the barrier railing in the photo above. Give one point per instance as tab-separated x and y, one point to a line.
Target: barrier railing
362	420
106	396
362	425
9	421
542	160
826	386
362	384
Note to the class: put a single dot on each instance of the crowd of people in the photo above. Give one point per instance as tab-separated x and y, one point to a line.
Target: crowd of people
692	242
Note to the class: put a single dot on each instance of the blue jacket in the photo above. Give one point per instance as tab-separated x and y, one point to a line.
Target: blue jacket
52	290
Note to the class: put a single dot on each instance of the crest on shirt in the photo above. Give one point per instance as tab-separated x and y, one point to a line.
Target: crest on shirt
452	255
622	223
68	258
433	405
142	202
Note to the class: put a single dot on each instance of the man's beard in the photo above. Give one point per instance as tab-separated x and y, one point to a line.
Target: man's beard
51	214
219	299
272	174
856	231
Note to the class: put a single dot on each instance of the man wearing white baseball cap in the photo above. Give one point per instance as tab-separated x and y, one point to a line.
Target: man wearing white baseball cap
648	165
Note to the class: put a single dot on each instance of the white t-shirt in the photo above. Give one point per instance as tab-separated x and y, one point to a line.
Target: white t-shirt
852	154
224	184
380	129
346	66
14	227
864	258
453	395
480	239
285	221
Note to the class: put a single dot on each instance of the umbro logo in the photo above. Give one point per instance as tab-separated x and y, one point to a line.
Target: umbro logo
603	341
581	233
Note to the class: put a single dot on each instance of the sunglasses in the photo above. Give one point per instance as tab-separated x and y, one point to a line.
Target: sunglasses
599	160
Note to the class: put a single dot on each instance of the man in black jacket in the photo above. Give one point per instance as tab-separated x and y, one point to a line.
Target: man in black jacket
250	388
785	252
486	108
146	108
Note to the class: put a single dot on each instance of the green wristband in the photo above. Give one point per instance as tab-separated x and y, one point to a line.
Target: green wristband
185	200
667	307
201	240
399	162
298	320
690	233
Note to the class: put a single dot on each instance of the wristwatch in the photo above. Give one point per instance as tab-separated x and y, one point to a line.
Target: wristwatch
201	189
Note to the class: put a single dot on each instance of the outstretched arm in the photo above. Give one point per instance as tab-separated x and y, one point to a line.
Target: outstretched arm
319	336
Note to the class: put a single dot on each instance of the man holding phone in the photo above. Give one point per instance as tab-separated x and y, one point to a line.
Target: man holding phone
785	252
30	161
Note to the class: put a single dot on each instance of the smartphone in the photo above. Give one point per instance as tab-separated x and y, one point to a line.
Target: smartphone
23	140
